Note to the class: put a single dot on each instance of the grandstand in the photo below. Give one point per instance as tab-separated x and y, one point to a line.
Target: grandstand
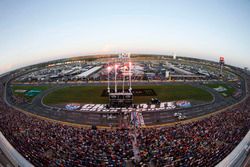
85	74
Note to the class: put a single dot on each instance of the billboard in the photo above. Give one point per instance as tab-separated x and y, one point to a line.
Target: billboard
222	61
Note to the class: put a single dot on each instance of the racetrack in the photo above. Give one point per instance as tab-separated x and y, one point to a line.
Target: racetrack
100	119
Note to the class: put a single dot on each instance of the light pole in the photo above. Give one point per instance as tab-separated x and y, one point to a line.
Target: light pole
116	66
130	73
123	77
109	68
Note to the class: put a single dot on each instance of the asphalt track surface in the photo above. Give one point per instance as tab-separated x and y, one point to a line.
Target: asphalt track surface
100	118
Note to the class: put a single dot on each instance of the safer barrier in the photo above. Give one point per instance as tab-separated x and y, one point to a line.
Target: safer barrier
238	155
15	157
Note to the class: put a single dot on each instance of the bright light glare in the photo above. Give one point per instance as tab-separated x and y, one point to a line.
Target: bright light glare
109	68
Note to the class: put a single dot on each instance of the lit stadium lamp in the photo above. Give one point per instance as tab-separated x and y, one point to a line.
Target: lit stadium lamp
116	66
130	73
109	69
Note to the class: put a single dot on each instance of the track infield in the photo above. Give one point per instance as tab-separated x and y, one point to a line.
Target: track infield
93	94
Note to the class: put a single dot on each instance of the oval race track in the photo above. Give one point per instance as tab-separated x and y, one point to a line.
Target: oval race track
100	119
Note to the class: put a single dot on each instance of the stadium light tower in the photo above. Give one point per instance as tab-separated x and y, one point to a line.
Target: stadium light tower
116	66
123	77
108	69
130	74
122	99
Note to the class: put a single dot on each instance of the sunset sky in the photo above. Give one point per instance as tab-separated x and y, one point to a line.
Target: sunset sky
33	31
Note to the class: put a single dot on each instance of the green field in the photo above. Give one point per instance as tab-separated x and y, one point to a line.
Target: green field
92	94
229	92
28	88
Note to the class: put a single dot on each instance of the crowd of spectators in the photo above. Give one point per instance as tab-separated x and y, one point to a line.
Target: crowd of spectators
200	143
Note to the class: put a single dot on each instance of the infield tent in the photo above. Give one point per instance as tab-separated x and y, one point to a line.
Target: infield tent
32	93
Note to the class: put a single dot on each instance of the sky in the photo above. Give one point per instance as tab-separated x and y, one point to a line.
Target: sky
33	31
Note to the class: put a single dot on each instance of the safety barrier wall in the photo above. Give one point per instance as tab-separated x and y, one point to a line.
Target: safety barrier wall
10	152
238	155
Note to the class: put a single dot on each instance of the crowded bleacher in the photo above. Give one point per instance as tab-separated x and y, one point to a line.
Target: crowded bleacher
201	143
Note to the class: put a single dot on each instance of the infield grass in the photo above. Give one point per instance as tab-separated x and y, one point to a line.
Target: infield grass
229	92
92	94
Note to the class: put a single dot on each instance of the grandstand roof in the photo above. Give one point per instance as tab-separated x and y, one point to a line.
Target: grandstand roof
89	72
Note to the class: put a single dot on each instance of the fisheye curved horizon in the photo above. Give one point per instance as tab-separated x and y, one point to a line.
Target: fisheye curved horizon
124	83
41	31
